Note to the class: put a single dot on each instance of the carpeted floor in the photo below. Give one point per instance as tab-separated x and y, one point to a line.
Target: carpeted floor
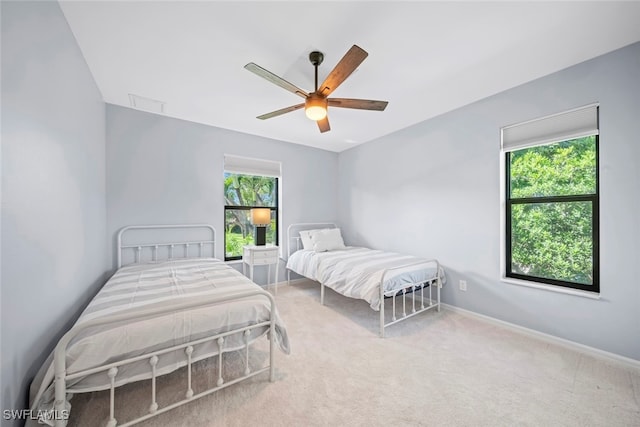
436	369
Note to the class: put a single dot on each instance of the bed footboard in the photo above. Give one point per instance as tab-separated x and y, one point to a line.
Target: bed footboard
111	370
413	289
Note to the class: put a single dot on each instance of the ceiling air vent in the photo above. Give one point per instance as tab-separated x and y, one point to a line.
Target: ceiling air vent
147	104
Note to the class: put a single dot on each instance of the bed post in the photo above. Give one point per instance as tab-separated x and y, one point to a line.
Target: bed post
272	337
381	310
60	383
60	398
439	285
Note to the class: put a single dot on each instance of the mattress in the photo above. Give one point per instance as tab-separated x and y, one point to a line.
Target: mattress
357	272
140	287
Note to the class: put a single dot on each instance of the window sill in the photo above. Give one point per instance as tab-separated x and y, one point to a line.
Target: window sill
235	261
557	289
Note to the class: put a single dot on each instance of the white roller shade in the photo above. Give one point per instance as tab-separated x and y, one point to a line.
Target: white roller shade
571	124
249	166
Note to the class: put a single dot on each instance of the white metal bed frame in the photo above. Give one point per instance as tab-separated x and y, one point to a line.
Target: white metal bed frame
61	376
410	288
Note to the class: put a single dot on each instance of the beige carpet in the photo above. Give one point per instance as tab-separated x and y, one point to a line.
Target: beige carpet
436	369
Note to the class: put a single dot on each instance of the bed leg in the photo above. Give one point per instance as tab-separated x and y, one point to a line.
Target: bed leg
322	293
381	294
272	342
60	397
220	355
111	373
439	284
60	386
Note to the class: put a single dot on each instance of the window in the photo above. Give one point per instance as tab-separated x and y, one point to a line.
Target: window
248	183
551	200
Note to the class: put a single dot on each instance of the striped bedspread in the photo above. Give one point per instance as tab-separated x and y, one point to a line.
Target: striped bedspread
163	284
357	272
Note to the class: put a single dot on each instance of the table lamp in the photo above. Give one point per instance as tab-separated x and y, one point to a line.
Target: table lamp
260	218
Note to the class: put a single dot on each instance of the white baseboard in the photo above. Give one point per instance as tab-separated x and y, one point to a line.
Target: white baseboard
585	349
293	282
285	283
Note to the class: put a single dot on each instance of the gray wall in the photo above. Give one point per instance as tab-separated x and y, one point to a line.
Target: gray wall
53	188
433	190
164	170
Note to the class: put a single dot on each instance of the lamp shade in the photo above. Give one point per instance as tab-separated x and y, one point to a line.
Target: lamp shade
315	107
261	216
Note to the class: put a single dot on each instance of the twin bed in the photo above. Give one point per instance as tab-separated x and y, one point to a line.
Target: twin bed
317	252
171	303
172	306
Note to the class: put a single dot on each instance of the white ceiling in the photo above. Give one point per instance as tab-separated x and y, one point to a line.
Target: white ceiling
425	58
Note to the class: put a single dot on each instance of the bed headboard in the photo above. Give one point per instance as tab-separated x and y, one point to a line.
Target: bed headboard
140	243
293	234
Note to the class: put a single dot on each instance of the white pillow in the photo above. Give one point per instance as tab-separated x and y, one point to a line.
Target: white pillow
305	236
327	240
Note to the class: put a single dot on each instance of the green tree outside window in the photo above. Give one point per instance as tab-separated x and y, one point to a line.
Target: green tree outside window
552	214
242	193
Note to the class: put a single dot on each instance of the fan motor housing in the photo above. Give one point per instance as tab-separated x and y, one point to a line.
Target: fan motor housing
316	58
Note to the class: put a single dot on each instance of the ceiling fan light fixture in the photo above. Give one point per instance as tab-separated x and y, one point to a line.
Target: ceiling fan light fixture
315	107
316	102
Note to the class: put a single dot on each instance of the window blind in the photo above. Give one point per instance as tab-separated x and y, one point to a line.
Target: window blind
571	124
249	166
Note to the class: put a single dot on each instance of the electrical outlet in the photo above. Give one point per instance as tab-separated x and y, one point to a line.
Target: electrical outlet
463	285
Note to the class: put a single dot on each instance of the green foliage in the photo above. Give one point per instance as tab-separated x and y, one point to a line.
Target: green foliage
565	168
246	191
553	239
234	243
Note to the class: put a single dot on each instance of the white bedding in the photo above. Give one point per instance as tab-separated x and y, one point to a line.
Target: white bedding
162	284
357	272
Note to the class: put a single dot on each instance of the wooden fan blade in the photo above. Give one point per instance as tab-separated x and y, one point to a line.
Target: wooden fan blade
280	112
359	104
268	75
324	125
345	67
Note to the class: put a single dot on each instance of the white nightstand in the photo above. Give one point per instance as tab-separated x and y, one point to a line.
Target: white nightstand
260	255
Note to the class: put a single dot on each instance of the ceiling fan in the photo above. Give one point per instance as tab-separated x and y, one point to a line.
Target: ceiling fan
316	102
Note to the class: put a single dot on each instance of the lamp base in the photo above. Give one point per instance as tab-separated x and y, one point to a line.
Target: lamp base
260	236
